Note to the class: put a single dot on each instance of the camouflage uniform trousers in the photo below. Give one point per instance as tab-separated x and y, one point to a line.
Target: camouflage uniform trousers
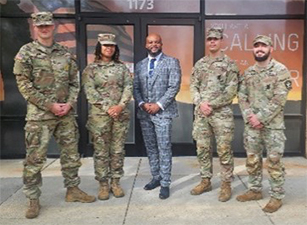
37	136
221	126
274	142
108	136
157	138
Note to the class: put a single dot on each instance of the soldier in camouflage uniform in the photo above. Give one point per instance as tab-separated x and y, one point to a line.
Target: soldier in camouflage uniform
47	77
262	96
108	87
213	86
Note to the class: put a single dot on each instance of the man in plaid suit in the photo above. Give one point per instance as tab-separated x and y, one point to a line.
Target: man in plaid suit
156	84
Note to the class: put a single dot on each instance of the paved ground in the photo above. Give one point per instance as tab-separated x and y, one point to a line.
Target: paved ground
144	207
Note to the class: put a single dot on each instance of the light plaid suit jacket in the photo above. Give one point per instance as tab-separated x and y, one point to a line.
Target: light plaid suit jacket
162	87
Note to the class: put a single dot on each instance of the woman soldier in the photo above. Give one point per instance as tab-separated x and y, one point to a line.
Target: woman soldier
108	87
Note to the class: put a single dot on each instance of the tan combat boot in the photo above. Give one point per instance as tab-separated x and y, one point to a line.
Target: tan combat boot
225	192
33	208
203	186
249	195
104	190
273	205
74	194
116	189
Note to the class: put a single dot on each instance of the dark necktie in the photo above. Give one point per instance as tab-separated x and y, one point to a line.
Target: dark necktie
151	66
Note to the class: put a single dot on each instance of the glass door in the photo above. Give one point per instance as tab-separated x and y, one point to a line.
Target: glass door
178	37
180	40
125	36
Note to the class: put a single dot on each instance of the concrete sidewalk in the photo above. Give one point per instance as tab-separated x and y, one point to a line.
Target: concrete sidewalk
145	207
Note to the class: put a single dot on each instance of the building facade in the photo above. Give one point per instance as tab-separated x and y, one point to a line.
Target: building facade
182	25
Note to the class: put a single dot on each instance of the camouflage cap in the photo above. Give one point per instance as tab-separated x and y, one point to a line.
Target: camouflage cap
107	39
263	39
215	32
42	18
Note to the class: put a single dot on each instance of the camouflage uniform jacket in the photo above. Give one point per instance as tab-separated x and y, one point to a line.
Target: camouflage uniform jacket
106	85
214	80
45	76
263	91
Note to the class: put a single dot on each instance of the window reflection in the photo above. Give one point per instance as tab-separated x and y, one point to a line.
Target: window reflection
124	39
254	7
18	32
287	36
178	42
30	6
141	6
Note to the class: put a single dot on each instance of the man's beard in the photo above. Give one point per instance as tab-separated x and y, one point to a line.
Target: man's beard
154	54
262	58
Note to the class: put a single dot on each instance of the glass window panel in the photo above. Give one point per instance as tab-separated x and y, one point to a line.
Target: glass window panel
18	32
254	7
124	38
178	41
30	6
141	6
288	46
1	88
65	33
